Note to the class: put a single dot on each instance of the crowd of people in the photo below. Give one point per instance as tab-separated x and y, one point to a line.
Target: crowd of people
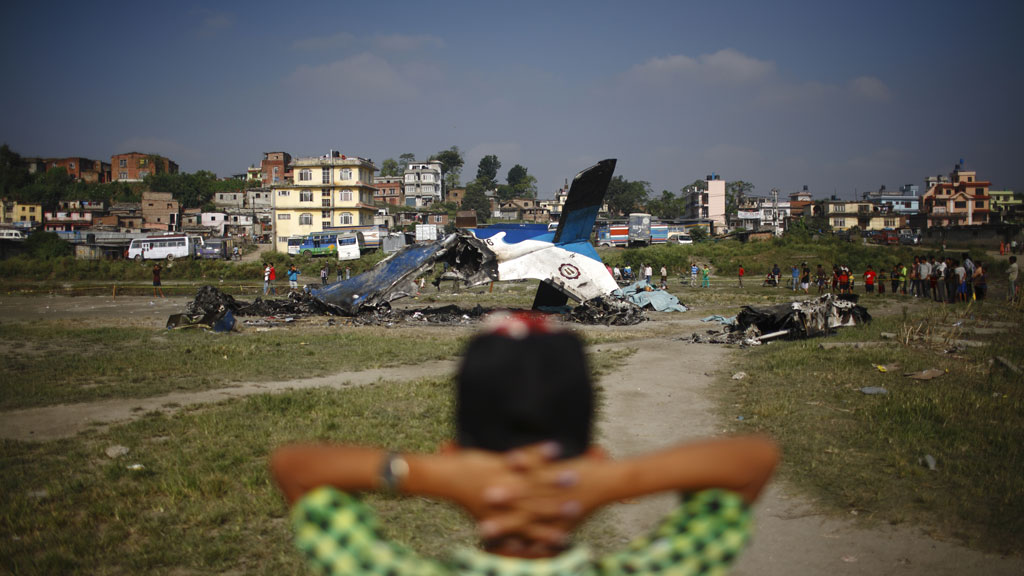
943	279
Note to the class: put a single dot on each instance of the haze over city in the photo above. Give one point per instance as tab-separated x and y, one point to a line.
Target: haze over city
841	98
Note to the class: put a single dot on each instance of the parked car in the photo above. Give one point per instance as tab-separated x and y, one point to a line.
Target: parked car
910	239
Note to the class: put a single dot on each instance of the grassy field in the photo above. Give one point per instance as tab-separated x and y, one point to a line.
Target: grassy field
866	455
202	501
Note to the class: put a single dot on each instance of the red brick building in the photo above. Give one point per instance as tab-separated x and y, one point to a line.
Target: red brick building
134	166
389	190
82	169
274	168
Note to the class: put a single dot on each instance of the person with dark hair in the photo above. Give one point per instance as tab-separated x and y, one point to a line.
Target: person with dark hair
523	466
156	280
1011	275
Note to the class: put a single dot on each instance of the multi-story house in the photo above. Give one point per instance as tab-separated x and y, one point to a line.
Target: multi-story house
1006	204
72	215
905	202
135	166
708	204
259	199
389	190
328	192
275	168
160	211
759	213
423	185
864	215
21	213
963	200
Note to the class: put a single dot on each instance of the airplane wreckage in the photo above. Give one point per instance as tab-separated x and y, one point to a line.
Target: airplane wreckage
564	261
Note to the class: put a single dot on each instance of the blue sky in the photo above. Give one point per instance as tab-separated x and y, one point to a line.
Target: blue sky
841	97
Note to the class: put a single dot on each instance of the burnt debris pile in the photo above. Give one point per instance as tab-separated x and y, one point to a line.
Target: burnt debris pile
790	321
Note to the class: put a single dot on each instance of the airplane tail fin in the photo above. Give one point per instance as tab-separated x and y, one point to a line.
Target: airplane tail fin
586	194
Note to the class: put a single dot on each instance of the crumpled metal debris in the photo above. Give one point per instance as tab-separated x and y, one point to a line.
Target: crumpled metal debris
607	311
791	321
657	300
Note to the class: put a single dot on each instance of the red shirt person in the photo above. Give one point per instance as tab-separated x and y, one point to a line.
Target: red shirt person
869	280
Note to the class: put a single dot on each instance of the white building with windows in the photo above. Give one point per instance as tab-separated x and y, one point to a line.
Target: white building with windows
329	191
422	183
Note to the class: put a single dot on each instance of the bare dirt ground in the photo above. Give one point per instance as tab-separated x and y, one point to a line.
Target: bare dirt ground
661	395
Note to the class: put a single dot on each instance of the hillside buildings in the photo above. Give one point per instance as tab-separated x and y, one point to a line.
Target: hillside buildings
708	204
135	166
329	191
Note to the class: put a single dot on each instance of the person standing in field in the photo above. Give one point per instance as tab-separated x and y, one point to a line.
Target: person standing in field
323	274
293	277
664	275
805	278
705	278
156	280
869	279
694	270
795	273
741	273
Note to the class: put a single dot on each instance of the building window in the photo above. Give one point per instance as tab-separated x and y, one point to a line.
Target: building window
143	173
979	203
325	176
122	163
284	216
305	219
345	174
960	205
282	239
306	196
346	195
71	165
325	214
305	175
276	168
122	175
284	192
326	202
345	218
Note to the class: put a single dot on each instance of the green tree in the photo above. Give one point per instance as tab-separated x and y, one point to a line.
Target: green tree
698	233
487	171
734	193
515	175
46	245
624	196
667	207
14	175
405	159
49	188
476	200
527	187
390	168
451	166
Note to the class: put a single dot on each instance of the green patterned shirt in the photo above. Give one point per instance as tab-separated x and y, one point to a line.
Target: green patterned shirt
339	534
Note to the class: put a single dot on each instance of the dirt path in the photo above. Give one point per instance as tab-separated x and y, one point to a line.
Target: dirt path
64	420
662	396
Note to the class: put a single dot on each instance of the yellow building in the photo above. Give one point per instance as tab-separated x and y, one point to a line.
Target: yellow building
845	215
326	192
12	212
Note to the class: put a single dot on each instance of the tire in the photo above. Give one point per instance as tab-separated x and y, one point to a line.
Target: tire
170	257
138	258
307	253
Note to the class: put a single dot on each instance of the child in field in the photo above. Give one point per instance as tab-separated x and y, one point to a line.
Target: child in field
523	466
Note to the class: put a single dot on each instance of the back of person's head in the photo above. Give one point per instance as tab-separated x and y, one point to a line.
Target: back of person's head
521	382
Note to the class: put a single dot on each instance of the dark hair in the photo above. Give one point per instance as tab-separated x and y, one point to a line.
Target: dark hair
513	392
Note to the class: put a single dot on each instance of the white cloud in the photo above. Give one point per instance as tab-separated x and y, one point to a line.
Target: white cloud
361	78
870	88
727	66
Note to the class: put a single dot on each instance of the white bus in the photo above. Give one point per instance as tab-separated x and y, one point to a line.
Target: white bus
164	247
350	246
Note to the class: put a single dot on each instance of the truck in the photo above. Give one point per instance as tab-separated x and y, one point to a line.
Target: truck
639	229
426	232
659	233
613	235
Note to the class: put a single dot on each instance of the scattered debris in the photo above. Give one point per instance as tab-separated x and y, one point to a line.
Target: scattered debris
730	321
116	451
646	296
135	467
874	391
928	461
794	320
929	374
607	311
739	376
888	335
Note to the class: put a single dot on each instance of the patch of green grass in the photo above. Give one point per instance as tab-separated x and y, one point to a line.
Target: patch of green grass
866	453
56	364
203	500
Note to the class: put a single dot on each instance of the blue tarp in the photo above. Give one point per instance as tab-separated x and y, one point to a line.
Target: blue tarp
657	300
